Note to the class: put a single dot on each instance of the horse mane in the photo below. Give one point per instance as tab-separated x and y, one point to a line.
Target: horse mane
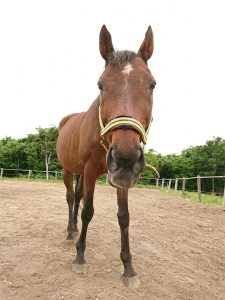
121	57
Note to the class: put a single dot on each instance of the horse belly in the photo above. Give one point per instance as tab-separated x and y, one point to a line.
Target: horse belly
67	150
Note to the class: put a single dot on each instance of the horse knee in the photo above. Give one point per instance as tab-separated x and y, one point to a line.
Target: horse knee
123	220
87	214
70	197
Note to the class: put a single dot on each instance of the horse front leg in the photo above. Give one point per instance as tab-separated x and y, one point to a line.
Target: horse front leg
130	277
86	215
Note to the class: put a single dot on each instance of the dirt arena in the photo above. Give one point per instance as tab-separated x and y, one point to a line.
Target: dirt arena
178	247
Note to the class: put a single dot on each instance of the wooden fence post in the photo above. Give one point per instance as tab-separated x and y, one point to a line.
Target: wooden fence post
169	185
224	199
176	184
163	180
29	174
183	185
1	174
199	188
157	182
56	174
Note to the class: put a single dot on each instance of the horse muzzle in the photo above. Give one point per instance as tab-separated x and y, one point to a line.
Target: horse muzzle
124	165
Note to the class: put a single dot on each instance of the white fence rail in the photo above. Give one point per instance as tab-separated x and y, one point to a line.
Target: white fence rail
163	183
29	173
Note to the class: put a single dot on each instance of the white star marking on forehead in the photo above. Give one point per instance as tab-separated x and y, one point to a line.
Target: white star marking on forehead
127	69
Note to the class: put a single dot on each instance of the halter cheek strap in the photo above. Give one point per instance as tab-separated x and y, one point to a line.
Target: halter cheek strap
122	122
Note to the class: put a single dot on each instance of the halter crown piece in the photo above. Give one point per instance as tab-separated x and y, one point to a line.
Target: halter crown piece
121	122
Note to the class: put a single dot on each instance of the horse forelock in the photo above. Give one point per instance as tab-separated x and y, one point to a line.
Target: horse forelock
121	57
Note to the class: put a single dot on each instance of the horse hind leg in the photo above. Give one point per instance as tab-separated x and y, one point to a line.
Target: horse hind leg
78	197
68	181
86	215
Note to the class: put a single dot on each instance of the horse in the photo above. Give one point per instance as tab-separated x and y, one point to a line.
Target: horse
109	138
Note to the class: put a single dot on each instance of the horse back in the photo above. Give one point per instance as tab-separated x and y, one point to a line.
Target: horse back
69	139
65	119
79	141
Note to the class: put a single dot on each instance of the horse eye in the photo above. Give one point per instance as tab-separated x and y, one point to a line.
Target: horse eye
100	86
152	85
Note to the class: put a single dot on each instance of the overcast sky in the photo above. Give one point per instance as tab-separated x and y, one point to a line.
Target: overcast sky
50	63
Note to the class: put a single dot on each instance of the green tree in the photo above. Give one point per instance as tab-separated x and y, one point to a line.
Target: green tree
40	149
12	154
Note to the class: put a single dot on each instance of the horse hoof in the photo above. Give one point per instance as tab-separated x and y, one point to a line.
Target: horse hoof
81	269
131	282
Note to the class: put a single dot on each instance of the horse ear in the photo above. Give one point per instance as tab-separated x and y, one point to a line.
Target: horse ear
105	43
147	45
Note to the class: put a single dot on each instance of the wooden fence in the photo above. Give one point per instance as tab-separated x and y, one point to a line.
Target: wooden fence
163	183
28	173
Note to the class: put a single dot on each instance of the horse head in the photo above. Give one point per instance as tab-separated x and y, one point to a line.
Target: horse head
125	108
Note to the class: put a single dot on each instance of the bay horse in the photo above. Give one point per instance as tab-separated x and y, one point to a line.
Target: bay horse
108	137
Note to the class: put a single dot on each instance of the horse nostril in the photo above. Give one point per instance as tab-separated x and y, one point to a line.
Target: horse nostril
139	154
139	165
113	155
111	160
137	168
132	160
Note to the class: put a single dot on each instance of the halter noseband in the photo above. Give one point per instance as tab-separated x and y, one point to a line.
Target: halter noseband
122	122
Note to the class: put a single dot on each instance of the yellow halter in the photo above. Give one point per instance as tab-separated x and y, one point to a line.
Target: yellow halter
126	121
122	121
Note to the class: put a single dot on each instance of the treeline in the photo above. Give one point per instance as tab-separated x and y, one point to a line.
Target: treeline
37	152
204	160
34	152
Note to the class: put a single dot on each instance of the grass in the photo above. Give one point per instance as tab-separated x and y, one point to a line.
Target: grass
209	199
32	179
101	180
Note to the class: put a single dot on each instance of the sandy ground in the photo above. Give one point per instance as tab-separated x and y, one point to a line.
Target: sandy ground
178	247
